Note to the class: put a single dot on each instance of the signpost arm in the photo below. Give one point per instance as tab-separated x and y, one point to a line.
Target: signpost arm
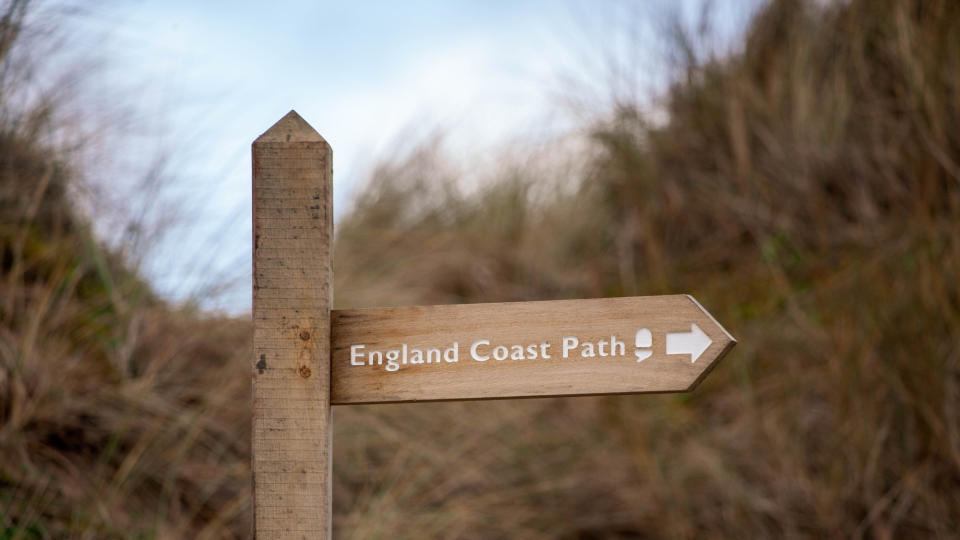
292	297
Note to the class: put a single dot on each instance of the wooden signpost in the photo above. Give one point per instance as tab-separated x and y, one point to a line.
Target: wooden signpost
307	356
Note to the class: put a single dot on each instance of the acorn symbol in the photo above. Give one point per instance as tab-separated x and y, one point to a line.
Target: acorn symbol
643	342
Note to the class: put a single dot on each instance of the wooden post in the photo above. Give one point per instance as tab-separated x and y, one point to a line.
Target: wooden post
292	297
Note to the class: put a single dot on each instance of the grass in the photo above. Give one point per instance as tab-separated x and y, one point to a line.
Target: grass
806	189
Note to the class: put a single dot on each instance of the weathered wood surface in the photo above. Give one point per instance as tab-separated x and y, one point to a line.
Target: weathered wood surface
292	296
625	360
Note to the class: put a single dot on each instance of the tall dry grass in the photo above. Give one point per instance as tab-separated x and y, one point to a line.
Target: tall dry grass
119	415
806	189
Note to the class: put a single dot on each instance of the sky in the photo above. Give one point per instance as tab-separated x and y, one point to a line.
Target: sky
373	78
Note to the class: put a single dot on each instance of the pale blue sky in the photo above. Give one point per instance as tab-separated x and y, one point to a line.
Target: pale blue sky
209	77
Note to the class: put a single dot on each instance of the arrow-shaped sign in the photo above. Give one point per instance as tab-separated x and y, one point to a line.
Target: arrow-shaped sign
694	342
522	349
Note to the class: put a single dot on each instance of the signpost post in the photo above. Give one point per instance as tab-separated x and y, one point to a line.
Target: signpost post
307	357
292	296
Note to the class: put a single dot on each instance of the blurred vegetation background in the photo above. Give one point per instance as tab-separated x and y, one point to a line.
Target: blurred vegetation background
805	187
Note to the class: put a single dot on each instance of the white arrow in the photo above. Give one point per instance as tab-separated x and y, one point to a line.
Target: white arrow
694	342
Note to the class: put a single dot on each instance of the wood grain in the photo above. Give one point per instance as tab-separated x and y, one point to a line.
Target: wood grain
525	324
292	232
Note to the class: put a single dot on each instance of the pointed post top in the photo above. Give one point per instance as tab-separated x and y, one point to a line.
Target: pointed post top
290	128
